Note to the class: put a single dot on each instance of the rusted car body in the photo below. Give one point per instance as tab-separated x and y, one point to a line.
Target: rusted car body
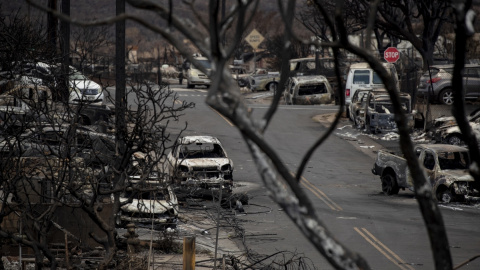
148	198
263	80
308	90
379	114
446	167
200	163
446	129
356	109
153	202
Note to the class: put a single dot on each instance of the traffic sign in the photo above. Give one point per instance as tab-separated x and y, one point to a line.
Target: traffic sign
391	55
254	39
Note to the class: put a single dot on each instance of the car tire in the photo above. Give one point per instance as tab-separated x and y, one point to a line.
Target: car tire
358	123
190	85
455	139
389	184
445	196
446	96
272	87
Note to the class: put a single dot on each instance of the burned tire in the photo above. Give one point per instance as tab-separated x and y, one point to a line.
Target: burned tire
455	139
446	97
389	184
444	195
272	87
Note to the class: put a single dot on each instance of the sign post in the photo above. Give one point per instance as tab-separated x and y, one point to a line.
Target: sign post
391	54
254	39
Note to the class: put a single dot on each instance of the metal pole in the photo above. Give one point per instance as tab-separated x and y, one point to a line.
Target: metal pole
218	226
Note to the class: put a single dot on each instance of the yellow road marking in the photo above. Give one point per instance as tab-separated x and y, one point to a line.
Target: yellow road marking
389	254
224	118
320	194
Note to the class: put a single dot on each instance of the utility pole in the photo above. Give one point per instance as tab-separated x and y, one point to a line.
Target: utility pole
65	47
52	24
120	84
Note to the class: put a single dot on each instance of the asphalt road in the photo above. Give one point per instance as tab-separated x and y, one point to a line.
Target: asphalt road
388	231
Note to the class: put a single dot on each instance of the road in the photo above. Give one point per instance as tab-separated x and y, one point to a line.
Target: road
388	231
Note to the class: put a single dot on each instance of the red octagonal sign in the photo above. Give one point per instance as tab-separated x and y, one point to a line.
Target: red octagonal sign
391	55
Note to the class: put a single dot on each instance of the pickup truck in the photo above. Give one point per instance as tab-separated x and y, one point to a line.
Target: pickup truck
446	167
263	80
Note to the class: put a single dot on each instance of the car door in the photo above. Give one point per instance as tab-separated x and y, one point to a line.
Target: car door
472	83
429	163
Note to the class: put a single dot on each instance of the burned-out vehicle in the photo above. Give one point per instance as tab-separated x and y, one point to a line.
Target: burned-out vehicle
356	109
446	129
200	163
148	198
308	90
446	167
262	80
379	113
67	141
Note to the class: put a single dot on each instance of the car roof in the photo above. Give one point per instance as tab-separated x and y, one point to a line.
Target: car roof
367	65
452	65
198	139
444	147
310	78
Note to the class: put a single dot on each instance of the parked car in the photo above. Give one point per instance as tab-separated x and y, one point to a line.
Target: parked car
356	109
84	90
379	115
158	206
262	80
199	163
445	165
446	129
308	90
240	74
148	199
436	84
360	75
65	141
195	76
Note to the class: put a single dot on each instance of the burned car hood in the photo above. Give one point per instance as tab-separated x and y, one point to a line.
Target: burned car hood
458	175
147	206
203	162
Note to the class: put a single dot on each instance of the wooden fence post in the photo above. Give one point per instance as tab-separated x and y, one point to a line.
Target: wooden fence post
189	253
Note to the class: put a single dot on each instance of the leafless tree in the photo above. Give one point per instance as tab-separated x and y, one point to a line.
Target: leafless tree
224	96
51	161
419	22
89	43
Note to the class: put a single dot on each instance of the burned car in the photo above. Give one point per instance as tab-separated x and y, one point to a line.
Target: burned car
379	114
446	129
445	165
200	163
262	80
148	199
308	90
356	108
148	202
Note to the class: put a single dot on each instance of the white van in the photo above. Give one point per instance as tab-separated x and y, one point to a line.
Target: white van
360	75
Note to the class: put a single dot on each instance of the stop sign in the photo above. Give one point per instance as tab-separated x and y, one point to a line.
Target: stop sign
391	55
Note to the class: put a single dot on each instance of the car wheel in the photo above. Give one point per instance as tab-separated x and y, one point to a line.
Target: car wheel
358	123
272	87
444	195
455	139
446	96
389	184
